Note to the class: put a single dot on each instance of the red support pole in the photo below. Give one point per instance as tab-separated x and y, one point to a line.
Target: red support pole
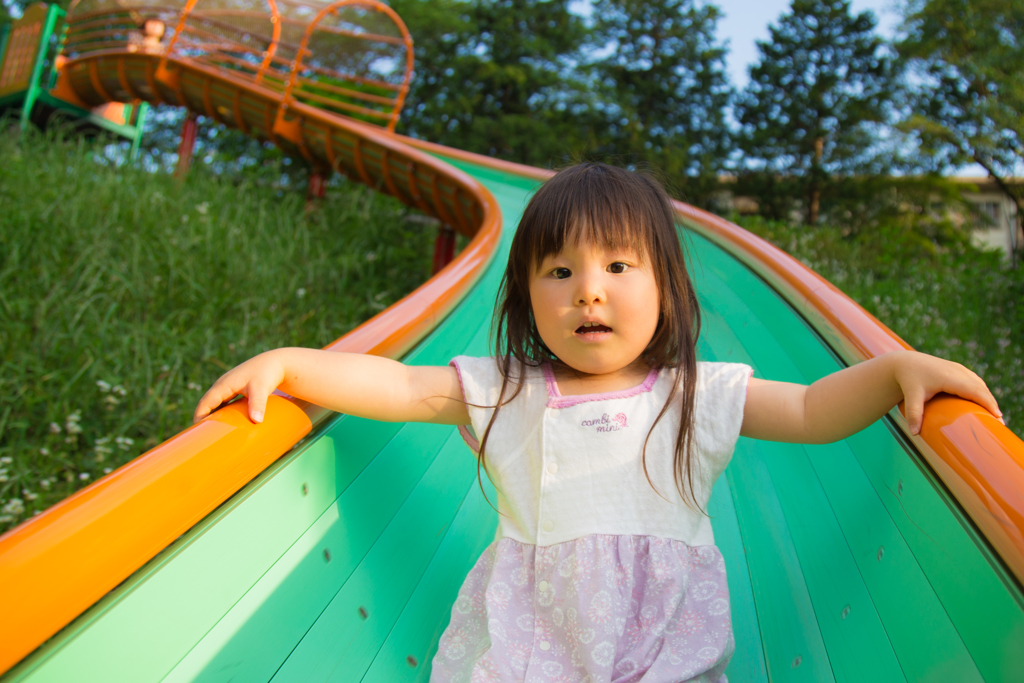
189	131
444	247
317	185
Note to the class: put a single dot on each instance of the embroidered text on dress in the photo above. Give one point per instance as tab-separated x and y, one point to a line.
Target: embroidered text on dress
606	423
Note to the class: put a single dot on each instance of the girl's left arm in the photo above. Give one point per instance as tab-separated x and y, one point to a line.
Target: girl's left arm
847	401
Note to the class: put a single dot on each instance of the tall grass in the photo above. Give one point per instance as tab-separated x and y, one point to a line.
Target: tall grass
125	294
948	299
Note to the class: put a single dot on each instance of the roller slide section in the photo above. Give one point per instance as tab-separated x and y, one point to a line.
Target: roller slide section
323	547
342	560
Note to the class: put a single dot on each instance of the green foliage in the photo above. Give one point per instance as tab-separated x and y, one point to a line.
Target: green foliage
528	81
664	88
124	294
921	208
816	100
969	104
947	299
492	76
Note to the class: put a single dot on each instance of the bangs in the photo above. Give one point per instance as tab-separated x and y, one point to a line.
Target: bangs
596	204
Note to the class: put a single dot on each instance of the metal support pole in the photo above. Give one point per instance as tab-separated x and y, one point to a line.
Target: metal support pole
317	185
140	109
444	247
34	85
189	131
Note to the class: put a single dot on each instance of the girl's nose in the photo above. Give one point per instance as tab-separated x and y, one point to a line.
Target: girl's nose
589	292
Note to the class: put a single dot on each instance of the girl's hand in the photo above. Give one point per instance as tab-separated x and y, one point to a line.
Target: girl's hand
255	379
921	377
352	383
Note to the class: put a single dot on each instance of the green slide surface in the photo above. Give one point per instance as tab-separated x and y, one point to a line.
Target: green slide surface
341	562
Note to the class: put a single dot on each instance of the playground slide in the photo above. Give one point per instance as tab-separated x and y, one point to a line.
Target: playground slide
324	547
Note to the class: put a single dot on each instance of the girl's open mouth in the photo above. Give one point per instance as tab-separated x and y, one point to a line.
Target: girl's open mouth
594	332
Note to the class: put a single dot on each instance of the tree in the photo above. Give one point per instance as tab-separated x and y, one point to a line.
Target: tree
968	105
663	87
495	76
816	98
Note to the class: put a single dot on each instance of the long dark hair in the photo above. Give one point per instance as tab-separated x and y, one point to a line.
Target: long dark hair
594	202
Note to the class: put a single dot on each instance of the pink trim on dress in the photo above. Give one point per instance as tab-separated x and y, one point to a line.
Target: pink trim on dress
470	440
556	400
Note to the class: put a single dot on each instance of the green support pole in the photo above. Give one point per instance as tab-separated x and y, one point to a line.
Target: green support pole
37	70
51	81
140	119
5	32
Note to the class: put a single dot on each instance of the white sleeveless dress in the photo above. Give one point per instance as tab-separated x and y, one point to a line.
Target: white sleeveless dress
595	576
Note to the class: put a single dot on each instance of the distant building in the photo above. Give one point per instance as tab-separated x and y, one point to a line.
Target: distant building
992	219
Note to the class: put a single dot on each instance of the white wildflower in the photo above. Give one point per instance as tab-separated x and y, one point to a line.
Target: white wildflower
123	442
203	208
44	451
84	476
6	460
107	470
300	292
29	495
54	428
14	507
71	423
45	484
104	387
5	519
194	386
371	256
111	400
120	390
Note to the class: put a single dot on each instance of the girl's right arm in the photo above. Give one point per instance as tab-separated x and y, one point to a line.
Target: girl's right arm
352	383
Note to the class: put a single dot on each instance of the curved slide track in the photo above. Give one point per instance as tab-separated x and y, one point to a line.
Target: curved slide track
319	547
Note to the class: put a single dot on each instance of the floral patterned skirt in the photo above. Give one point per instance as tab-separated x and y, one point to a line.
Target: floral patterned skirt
593	610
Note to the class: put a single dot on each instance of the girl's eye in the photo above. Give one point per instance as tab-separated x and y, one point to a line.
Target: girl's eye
617	267
561	273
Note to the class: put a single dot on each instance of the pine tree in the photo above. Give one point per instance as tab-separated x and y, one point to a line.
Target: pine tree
967	56
495	77
812	108
663	88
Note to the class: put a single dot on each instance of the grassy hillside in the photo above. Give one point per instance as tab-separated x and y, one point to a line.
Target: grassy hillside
124	294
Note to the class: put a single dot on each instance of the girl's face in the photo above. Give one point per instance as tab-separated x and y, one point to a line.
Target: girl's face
596	308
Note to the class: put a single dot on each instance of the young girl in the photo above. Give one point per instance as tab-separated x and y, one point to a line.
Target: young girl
603	435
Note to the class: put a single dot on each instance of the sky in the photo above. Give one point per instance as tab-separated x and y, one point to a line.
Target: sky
746	21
